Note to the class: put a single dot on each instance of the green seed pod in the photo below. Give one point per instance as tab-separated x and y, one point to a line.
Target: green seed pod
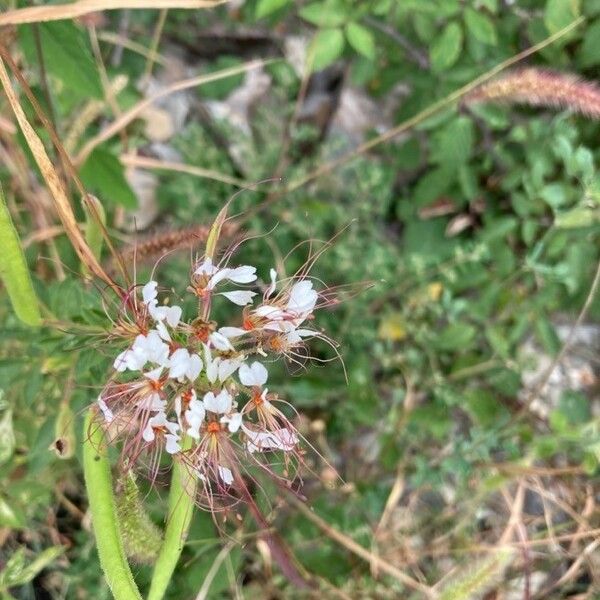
141	537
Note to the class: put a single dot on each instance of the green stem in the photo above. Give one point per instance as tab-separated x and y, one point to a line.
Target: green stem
98	482
181	510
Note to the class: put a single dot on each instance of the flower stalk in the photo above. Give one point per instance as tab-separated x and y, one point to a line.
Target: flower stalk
181	510
98	483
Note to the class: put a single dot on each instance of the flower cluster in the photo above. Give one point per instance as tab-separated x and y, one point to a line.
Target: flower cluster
199	391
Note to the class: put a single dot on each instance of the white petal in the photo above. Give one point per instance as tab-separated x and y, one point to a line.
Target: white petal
232	332
220	342
149	292
228	366
239	297
273	286
280	439
194	367
212	365
302	297
108	414
234	421
219	276
225	474
269	312
219	404
245	274
206	268
148	433
154	375
256	374
162	331
172	444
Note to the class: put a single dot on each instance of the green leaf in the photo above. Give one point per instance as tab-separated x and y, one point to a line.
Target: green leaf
580	216
453	144
67	56
560	13
481	27
546	335
11	516
7	435
589	51
575	406
266	7
325	14
361	39
456	336
445	50
326	47
14	272
104	175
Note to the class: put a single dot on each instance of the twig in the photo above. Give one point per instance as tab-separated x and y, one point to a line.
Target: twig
568	342
359	550
417	56
151	59
128	116
214	569
144	162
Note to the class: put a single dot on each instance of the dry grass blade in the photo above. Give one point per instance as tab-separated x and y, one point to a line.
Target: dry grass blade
59	195
144	162
37	14
134	111
348	543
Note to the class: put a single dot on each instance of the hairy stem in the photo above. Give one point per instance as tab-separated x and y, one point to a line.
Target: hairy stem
98	483
181	510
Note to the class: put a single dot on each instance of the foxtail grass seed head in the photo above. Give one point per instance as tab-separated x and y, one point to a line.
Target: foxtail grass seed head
540	87
198	390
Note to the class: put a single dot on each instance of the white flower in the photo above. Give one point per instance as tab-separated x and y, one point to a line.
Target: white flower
206	268
239	297
233	421
219	404
225	474
108	414
153	401
184	364
279	439
220	342
254	375
244	274
170	314
159	421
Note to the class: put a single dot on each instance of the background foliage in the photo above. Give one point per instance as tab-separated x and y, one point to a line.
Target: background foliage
478	230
